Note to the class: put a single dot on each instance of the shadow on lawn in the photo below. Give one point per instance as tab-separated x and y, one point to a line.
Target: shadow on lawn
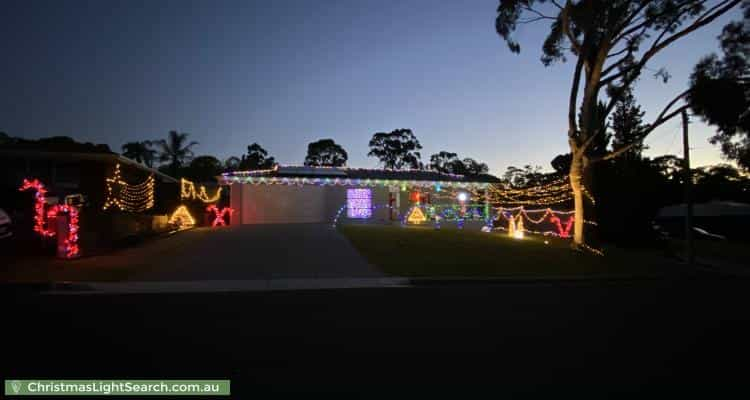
424	251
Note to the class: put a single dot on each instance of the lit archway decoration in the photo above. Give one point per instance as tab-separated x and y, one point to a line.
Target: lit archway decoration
41	218
219	215
188	192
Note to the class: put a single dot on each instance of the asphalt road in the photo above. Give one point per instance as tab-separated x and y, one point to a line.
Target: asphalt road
595	336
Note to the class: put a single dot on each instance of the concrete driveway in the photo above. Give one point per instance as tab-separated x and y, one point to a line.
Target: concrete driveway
255	252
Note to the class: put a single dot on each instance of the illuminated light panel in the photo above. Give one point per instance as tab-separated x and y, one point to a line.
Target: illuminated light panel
182	218
359	203
188	192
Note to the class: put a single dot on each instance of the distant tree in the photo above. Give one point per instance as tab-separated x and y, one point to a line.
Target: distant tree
325	153
524	177
444	162
175	151
720	91
140	151
232	164
256	158
473	167
627	126
397	149
204	168
561	163
611	42
4	138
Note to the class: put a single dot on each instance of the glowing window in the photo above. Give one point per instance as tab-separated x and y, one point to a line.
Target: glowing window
358	203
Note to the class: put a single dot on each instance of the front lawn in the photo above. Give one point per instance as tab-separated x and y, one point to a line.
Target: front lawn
423	251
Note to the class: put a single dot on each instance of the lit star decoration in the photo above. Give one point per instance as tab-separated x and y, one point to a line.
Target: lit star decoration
41	219
127	197
219	215
188	192
182	218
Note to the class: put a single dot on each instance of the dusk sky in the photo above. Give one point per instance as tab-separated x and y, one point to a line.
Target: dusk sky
284	73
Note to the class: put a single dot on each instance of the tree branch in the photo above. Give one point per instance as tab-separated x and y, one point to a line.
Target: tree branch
702	21
572	125
660	120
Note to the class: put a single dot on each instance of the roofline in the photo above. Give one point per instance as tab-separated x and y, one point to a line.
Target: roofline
339	181
88	156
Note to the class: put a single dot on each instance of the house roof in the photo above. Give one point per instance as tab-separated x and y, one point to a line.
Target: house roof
90	156
710	209
312	175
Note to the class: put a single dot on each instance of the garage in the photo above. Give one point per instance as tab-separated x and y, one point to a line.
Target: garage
292	194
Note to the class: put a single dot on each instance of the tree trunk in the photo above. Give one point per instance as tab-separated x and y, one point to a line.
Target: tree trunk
576	184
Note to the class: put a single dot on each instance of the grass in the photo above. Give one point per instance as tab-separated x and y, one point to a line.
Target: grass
423	251
716	250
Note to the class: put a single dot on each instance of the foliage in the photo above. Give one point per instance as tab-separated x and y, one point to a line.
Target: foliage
325	153
232	164
256	158
63	144
398	149
627	125
720	93
175	151
449	163
445	162
204	169
140	151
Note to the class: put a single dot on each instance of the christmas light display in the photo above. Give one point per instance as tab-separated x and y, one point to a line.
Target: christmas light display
181	218
359	203
416	216
40	224
188	192
41	218
342	169
514	221
345	206
298	181
127	197
219	215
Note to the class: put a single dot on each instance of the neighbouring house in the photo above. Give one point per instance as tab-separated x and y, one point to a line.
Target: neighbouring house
68	174
726	218
292	194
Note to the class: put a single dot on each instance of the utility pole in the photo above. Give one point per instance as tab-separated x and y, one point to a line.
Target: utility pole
688	177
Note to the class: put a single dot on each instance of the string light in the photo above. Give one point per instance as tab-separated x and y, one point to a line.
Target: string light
129	198
219	215
182	218
415	215
41	219
188	192
39	196
299	181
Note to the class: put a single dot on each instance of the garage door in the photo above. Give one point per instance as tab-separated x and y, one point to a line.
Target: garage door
282	204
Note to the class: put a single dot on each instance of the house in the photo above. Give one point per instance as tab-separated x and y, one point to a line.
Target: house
297	194
726	218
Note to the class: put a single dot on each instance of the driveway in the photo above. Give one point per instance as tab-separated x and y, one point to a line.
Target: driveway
257	252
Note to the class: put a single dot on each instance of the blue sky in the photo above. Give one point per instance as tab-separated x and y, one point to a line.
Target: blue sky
284	73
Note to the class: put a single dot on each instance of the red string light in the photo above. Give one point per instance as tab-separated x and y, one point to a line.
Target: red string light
219	219
564	233
41	220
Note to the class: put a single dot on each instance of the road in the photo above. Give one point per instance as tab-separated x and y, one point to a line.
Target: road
516	335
